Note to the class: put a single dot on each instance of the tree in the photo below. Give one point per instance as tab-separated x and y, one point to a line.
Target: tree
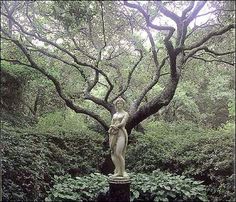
95	39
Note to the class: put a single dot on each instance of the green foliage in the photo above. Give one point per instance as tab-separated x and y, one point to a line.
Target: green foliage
84	188
183	104
63	141
157	186
62	122
73	13
231	108
218	85
17	70
31	159
186	149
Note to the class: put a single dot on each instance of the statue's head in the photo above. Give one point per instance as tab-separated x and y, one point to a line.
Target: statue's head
119	103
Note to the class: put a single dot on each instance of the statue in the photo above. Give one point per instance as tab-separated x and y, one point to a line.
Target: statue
118	138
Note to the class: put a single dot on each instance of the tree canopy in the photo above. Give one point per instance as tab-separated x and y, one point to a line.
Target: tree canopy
95	51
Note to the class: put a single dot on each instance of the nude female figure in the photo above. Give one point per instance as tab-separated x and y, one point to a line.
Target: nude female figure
118	138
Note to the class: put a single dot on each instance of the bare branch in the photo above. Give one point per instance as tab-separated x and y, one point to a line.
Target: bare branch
129	76
67	52
154	51
167	12
210	12
163	99
183	23
202	26
50	55
103	25
55	45
206	49
148	22
86	92
10	11
211	34
147	88
188	9
196	10
100	102
214	60
29	18
57	85
172	55
81	50
115	56
218	54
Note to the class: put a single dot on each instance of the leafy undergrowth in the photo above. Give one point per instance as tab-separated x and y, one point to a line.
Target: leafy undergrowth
186	149
31	159
157	186
33	155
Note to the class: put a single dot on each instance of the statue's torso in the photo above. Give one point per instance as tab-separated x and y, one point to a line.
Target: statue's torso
117	118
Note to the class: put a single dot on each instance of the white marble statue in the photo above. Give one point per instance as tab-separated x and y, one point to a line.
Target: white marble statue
118	138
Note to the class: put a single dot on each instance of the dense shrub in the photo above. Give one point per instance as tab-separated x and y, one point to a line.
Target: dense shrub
65	145
157	186
186	149
61	122
31	159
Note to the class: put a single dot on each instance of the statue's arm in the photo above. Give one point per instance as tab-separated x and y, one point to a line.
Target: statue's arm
123	122
112	125
112	122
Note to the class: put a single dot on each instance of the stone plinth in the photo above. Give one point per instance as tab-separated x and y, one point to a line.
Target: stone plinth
119	189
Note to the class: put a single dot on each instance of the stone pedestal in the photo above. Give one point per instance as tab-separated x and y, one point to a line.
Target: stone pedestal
119	189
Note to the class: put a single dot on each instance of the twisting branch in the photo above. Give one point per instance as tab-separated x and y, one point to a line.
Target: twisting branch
57	85
149	23
188	9
29	18
171	52
100	51
10	11
167	12
86	92
210	12
156	77
61	49
97	100
80	49
183	22
218	54
50	55
115	56
206	49
154	51
130	75
172	55
202	26
153	106
196	10
214	60
147	88
103	25
211	34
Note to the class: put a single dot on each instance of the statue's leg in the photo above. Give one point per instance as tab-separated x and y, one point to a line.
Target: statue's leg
114	160
112	144
126	143
118	152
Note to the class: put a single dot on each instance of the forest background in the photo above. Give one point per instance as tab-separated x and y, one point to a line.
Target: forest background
64	63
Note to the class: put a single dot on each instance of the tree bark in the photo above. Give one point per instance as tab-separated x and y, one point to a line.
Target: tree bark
154	105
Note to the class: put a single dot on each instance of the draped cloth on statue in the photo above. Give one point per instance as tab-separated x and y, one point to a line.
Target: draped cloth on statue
114	135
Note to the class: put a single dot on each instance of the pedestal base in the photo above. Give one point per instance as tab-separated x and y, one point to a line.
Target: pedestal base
119	189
